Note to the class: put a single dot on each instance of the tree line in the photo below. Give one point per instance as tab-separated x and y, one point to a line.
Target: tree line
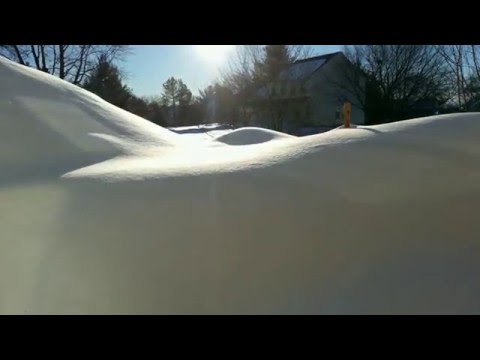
389	82
405	81
96	68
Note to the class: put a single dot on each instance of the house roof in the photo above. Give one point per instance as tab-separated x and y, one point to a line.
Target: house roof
302	69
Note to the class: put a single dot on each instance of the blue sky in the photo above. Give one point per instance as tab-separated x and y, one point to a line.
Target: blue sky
149	66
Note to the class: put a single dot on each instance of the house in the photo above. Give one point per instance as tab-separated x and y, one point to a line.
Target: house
309	93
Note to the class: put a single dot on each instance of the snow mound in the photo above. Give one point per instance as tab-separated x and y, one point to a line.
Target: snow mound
102	212
44	119
251	135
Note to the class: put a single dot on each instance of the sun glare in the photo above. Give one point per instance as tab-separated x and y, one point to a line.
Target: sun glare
214	53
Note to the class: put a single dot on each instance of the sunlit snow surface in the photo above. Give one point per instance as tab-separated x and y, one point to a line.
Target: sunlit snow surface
104	212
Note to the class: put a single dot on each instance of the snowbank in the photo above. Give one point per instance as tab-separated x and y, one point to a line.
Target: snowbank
203	132
103	212
251	135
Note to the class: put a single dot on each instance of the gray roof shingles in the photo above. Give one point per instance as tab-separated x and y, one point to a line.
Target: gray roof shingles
302	69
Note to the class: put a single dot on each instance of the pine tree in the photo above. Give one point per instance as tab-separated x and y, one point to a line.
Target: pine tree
207	94
106	82
176	94
276	58
170	92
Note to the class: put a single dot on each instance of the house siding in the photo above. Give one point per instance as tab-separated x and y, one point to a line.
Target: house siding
315	101
326	97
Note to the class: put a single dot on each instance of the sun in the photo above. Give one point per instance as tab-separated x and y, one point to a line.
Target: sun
215	54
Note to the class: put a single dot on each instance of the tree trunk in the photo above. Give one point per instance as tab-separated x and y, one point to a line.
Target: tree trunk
459	92
81	65
19	55
61	62
174	112
35	57
43	63
475	61
54	64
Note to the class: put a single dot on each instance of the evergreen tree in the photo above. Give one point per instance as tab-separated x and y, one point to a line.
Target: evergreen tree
184	94
176	94
207	94
106	82
276	58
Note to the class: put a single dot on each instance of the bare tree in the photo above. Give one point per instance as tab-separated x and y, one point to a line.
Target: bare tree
298	52
456	58
472	75
243	75
475	60
69	62
241	68
348	80
397	77
239	77
18	53
239	72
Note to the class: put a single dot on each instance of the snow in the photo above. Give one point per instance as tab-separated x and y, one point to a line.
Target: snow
201	133
251	135
102	212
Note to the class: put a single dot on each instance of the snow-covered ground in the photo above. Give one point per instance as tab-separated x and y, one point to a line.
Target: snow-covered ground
201	133
104	212
213	134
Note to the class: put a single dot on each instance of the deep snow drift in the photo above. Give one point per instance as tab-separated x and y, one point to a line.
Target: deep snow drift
250	135
203	132
104	212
